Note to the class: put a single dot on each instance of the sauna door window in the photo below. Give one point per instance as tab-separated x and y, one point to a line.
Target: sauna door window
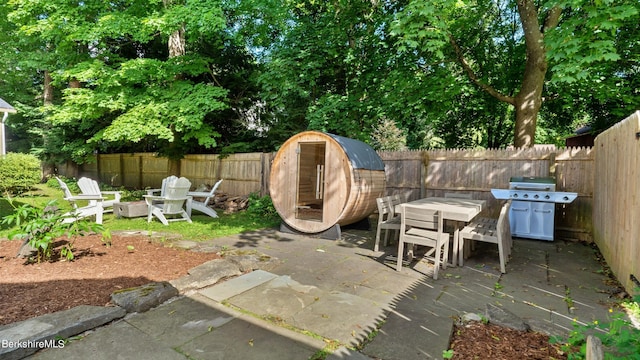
310	192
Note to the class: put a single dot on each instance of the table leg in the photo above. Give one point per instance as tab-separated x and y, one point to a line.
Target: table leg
456	246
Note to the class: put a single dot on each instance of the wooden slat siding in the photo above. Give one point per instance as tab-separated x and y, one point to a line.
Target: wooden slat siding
367	187
479	170
349	195
403	173
284	175
89	169
616	205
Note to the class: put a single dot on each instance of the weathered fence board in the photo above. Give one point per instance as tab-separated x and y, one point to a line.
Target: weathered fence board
404	173
616	205
242	173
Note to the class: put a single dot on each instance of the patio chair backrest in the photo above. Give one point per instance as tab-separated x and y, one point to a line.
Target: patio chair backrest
175	195
88	186
65	190
165	183
212	192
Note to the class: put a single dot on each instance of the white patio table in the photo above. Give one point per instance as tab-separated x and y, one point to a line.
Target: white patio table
459	210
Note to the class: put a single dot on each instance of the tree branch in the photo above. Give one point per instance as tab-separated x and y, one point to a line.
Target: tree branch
472	75
552	19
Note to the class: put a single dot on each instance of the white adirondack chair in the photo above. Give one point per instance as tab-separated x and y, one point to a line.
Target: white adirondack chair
203	206
90	187
172	204
163	187
94	207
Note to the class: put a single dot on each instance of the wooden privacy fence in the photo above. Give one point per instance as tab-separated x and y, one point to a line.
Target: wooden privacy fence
413	174
242	173
416	174
616	205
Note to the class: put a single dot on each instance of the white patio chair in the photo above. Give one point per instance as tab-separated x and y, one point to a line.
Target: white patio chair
491	231
420	226
93	208
172	204
90	187
203	206
388	220
162	189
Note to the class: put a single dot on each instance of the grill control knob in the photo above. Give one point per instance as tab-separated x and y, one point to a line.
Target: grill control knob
536	196
515	195
566	198
525	196
547	197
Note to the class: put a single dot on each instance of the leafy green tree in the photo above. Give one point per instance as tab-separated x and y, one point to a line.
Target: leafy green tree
387	136
122	86
336	67
568	36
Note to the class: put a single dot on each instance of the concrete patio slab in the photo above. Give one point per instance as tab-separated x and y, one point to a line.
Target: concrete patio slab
238	285
322	292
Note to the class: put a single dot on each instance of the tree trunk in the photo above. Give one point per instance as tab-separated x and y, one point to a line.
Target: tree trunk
176	45
48	89
529	99
174	167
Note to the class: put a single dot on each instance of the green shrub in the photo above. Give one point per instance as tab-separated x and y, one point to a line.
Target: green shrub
262	206
42	227
131	195
19	173
619	336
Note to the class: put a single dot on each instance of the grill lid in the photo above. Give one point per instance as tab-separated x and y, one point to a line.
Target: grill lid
532	179
532	183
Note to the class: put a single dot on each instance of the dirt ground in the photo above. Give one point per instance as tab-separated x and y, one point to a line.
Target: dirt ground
487	341
29	290
96	272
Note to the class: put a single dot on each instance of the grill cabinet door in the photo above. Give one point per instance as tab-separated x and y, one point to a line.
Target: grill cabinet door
520	218
542	218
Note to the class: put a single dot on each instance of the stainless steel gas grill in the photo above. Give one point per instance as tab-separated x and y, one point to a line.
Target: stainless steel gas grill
533	205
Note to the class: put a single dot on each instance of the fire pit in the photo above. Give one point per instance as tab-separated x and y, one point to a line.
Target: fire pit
534	199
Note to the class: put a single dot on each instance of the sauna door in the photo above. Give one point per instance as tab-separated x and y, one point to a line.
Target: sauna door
310	192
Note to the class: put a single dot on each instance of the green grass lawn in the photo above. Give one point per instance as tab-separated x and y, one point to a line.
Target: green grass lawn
202	228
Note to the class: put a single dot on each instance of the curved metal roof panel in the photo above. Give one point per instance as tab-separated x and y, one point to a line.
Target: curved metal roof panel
362	155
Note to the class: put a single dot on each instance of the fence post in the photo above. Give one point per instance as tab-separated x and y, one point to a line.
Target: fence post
594	348
265	172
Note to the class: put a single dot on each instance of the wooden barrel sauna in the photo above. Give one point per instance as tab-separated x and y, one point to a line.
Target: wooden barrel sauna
319	180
